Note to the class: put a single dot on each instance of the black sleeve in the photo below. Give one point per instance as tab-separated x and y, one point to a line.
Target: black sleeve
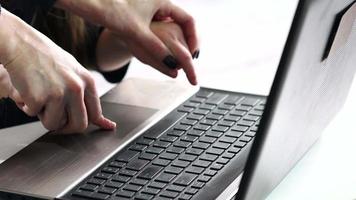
25	9
93	34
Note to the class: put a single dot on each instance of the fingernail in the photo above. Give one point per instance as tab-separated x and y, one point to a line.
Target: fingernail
197	56
170	62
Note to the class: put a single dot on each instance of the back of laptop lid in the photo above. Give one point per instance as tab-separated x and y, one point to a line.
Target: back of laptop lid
311	85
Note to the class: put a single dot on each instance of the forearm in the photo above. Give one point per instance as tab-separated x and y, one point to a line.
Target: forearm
111	52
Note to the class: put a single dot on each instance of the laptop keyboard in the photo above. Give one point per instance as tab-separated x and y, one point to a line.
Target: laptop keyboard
199	139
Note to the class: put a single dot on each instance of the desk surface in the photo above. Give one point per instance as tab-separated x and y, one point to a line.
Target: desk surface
242	41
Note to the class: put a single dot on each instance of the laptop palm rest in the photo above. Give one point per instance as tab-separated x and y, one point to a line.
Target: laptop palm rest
53	162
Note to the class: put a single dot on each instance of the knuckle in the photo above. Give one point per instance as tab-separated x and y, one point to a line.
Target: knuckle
76	87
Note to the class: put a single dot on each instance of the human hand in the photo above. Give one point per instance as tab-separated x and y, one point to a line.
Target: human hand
6	88
131	20
51	84
172	36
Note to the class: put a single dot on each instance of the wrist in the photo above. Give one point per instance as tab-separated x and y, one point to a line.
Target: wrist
8	36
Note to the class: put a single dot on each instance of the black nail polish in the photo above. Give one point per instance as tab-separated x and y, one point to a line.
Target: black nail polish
198	53
194	54
170	62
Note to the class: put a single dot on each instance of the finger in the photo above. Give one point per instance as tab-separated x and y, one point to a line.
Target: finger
181	52
94	110
53	117
186	22
148	48
77	118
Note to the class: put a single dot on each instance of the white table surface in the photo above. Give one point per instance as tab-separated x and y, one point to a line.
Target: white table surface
241	43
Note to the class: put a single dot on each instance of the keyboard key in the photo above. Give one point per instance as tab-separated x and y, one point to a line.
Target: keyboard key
197	100
208	157
228	140
201	145
232	118
182	144
194	132
214	134
104	176
222	129
204	94
206	139
245	139
191	191
209	122
232	100
187	157
137	164
248	101
185	179
161	144
222	161
165	177
96	181
225	107
250	134
251	118
215	151
201	163
147	156
240	144
144	197
175	188
169	194
180	163
176	133
168	156
157	185
107	190
126	156
155	131
181	127
207	106
202	127
88	187
189	122
238	113
201	112
138	181
168	138
220	112
188	138
185	197
191	104
198	185
154	150
204	178
226	123
185	109
138	147
243	108
117	164
114	184
91	195
216	99
194	151
239	128
234	134
144	141
221	145
125	193
245	123
254	128
234	150
210	172
152	191
214	117
256	113
194	170
176	150
161	162
120	178
127	172
216	166
173	170
110	170
150	172
195	117
228	155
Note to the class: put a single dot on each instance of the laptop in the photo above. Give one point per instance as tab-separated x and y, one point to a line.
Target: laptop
175	142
